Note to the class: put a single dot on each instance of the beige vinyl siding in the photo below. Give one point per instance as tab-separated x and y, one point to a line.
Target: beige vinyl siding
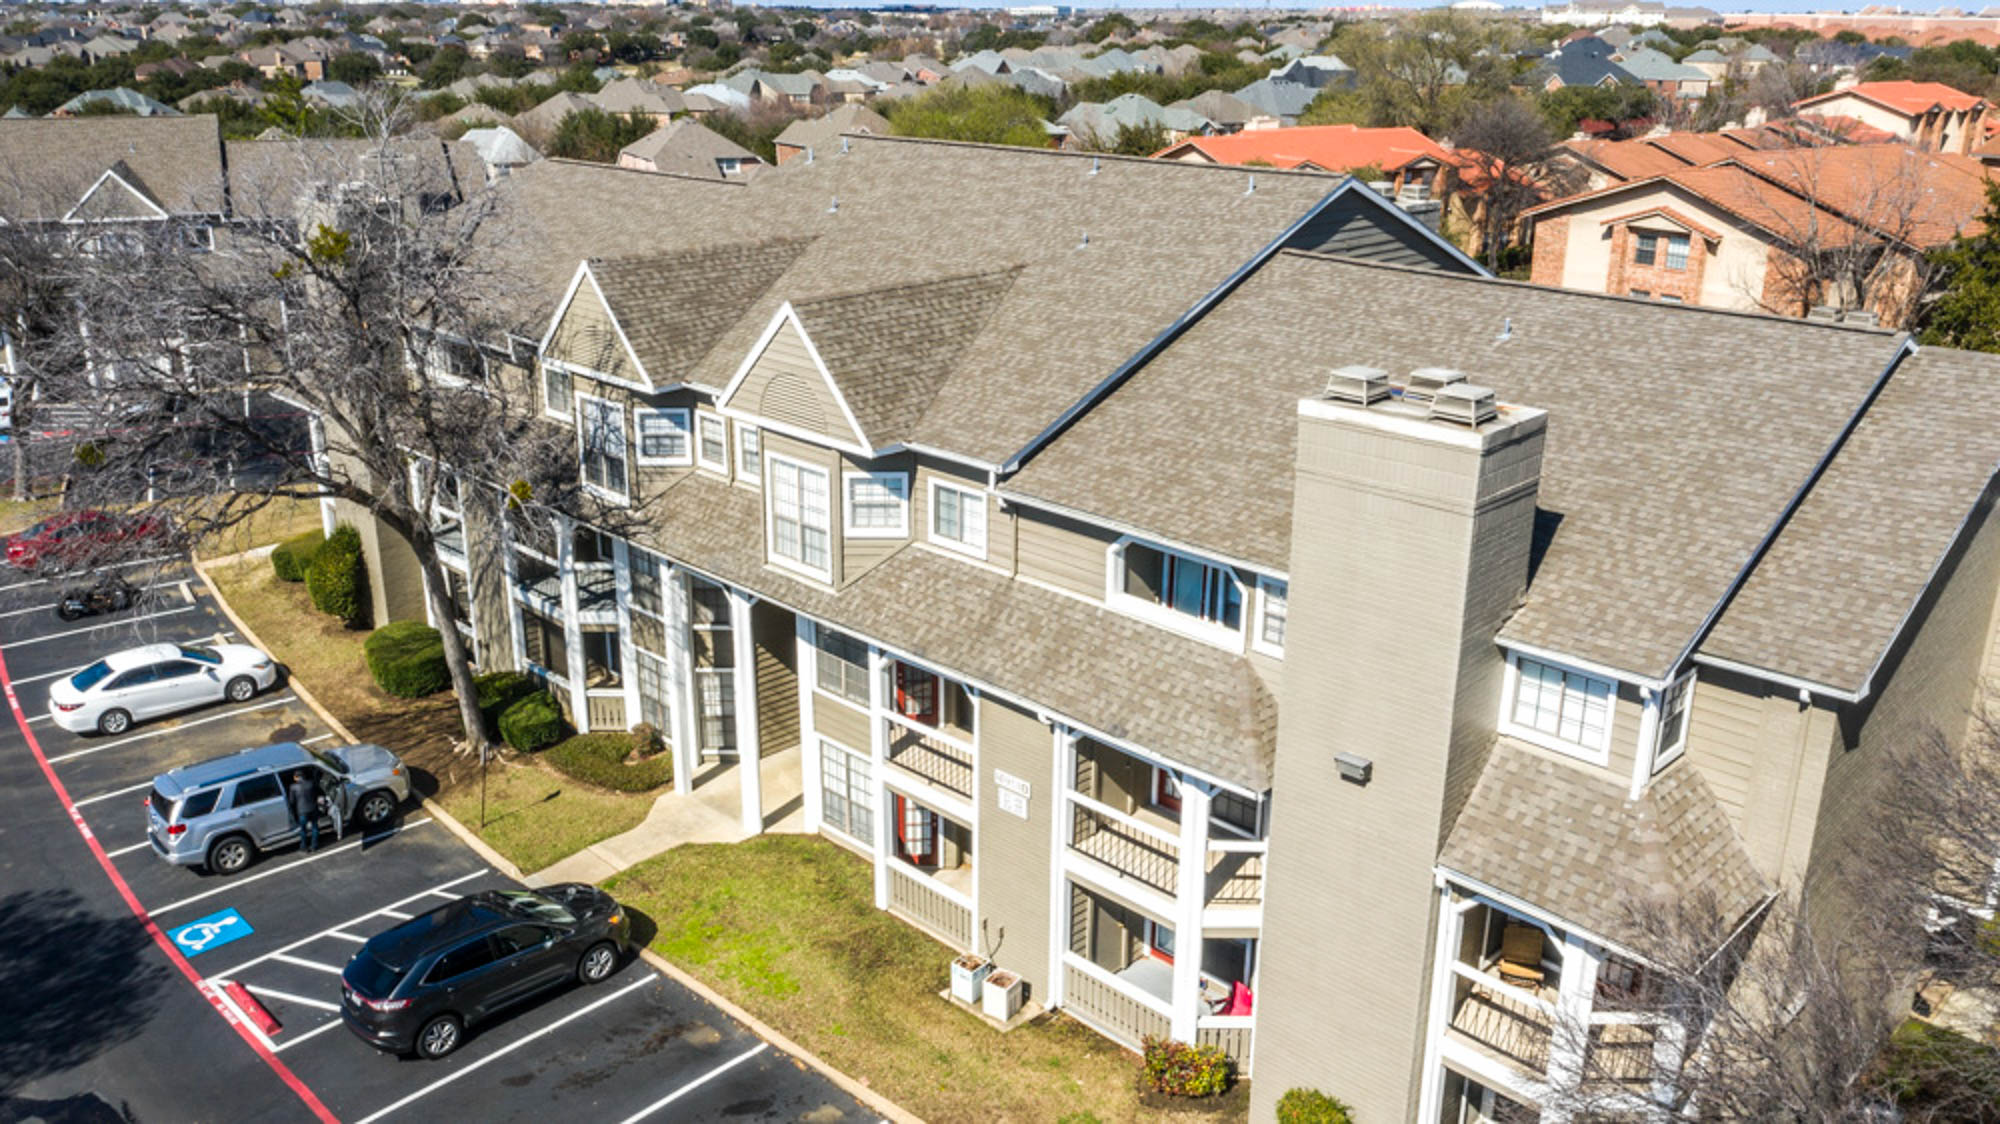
1626	712
1726	735
776	636
785	385
1014	861
587	336
833	718
1063	552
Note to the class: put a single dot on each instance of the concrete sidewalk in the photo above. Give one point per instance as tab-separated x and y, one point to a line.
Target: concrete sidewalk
711	813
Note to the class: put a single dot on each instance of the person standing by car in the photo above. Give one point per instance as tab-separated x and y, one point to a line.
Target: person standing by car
303	797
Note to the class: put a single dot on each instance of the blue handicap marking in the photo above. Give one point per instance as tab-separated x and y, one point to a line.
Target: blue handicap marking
197	937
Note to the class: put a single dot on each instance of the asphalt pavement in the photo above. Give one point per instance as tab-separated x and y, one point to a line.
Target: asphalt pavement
140	991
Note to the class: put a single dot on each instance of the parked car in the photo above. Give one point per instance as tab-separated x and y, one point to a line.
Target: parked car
112	595
123	687
414	989
222	812
81	538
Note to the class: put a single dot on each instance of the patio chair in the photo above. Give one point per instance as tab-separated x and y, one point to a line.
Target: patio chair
1521	956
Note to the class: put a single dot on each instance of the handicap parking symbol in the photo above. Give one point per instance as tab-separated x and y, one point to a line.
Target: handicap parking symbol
197	937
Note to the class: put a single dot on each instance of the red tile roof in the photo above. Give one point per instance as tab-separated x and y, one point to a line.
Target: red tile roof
1904	97
1332	148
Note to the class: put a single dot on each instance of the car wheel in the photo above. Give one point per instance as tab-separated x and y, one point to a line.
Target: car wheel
598	963
440	1036
230	855
69	611
375	809
240	689
114	721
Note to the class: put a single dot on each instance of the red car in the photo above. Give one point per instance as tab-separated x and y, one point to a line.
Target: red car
80	538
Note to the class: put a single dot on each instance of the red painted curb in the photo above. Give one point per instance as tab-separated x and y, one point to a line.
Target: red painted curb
173	954
253	1010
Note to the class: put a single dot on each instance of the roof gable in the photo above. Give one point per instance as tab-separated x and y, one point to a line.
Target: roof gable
585	333
117	195
784	385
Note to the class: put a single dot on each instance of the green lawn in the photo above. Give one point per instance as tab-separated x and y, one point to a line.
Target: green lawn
536	817
787	927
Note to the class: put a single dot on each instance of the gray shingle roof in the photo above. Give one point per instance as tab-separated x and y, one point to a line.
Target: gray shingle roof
1676	435
1570	842
822	132
672	311
47	163
688	148
1828	599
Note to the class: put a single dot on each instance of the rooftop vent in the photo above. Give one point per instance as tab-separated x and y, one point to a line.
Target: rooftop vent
1363	386
1464	403
1859	318
1824	312
1424	383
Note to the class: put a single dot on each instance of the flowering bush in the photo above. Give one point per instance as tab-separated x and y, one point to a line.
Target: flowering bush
1180	1070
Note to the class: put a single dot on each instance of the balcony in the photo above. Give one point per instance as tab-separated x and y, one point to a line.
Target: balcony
924	754
1133	848
929	903
1236	873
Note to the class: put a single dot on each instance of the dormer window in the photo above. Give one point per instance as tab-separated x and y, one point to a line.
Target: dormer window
557	397
1673	722
1199	590
1668	250
801	517
603	437
1270	637
958	518
1558	708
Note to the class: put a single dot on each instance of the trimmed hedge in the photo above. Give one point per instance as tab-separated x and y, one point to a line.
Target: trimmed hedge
291	558
599	759
407	659
337	580
1181	1070
532	723
1310	1106
495	691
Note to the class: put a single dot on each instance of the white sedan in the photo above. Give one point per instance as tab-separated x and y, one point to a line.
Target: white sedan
111	694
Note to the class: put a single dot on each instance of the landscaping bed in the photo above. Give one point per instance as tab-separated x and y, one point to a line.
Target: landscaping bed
787	927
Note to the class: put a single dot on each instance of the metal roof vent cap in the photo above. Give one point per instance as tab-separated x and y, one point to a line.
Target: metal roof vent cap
1423	384
1465	404
1363	386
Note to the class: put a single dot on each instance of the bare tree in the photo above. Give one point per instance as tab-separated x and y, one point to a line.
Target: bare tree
1508	160
362	288
38	348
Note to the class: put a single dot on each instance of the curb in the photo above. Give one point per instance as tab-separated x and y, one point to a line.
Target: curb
889	1109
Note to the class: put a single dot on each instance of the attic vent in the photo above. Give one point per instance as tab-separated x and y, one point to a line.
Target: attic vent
1464	403
1252	188
1859	318
1363	386
1424	383
1823	312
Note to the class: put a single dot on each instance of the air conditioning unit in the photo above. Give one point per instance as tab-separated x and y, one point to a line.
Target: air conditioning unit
1464	403
1363	386
1424	383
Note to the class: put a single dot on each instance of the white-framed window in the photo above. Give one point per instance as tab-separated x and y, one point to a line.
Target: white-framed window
602	436
1179	591
663	435
841	664
1559	708
801	517
1673	733
878	505
846	793
557	396
711	447
1270	635
749	454
449	362
958	518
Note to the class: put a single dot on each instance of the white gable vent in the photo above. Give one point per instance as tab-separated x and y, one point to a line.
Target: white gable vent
1424	383
1363	386
1465	404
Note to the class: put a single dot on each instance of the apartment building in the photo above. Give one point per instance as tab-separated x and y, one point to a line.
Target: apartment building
1206	593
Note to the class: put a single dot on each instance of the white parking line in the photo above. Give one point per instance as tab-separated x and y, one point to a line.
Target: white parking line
339	935
164	730
95	628
648	978
320	738
398	914
442	894
119	566
697	1083
126	850
336	929
115	794
288	997
302	962
314	1032
294	865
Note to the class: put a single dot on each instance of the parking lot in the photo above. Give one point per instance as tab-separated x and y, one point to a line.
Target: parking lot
264	948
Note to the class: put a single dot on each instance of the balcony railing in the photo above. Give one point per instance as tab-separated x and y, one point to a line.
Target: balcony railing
1117	1009
1508	1021
1133	849
929	757
1236	872
922	900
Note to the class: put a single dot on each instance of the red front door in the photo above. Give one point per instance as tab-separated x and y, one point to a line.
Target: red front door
916	832
916	694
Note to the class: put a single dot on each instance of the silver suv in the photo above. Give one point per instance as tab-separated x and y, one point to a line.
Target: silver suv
222	812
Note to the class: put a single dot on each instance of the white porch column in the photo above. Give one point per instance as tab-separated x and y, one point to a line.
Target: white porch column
808	664
680	675
749	762
1059	892
877	755
1190	897
1649	737
579	699
1570	1036
628	652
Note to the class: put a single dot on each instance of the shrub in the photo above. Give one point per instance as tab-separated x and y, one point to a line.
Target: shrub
646	740
495	691
291	558
407	659
532	723
337	580
1180	1070
599	759
1310	1106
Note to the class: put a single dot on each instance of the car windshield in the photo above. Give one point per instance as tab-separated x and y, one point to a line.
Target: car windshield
204	655
330	761
162	803
371	977
90	676
536	906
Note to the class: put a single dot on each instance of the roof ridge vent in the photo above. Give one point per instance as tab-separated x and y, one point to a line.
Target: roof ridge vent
1465	404
1363	386
1421	386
